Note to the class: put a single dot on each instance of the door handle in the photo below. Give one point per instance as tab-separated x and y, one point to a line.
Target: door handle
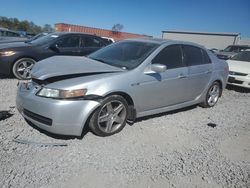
181	76
208	71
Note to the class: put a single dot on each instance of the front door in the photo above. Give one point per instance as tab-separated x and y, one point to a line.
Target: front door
156	90
69	45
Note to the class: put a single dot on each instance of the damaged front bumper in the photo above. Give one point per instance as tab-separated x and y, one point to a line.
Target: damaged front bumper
66	117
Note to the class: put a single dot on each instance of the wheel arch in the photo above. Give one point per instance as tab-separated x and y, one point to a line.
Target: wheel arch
22	57
220	84
126	96
131	105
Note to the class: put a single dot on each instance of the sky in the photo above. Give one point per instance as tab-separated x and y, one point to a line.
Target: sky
149	17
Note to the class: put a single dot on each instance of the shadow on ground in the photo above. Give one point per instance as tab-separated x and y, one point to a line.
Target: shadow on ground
3	76
238	89
4	114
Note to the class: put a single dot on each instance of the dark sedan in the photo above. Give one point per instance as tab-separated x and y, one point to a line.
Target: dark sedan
18	58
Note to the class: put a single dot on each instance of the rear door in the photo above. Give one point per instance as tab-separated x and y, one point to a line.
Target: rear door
199	70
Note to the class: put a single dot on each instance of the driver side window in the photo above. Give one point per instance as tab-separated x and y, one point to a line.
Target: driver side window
68	42
171	56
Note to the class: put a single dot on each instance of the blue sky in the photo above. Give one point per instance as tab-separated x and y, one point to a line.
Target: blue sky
143	17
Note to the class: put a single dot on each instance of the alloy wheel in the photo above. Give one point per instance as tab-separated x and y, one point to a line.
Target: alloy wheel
24	69
112	116
213	95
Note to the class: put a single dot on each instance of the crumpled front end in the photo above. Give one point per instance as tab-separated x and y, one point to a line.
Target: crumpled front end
66	117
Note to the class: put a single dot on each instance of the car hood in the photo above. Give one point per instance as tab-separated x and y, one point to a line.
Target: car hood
69	66
239	66
13	45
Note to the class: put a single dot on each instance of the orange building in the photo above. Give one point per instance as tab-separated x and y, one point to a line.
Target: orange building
63	27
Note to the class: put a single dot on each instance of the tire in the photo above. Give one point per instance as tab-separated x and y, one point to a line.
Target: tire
22	67
111	117
212	95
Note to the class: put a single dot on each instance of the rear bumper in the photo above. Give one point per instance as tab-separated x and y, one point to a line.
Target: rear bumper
65	117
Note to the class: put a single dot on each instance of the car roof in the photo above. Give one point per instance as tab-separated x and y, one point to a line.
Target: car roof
163	41
68	33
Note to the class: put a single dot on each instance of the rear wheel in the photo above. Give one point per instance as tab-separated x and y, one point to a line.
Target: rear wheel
110	117
22	68
212	95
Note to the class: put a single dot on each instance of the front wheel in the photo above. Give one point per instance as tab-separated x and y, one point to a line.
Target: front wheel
22	67
212	95
110	117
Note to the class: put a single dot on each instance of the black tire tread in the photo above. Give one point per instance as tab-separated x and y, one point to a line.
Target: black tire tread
205	104
93	119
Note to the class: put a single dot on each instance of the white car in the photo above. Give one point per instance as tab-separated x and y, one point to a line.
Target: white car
239	69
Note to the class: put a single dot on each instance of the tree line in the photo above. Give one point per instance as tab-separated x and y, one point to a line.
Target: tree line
25	25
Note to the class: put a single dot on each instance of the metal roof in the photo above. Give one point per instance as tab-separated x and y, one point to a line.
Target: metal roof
201	33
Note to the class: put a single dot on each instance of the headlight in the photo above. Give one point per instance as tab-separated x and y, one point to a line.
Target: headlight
7	53
61	94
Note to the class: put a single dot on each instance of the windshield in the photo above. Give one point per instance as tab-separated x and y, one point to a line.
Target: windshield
228	49
242	56
125	54
37	36
44	40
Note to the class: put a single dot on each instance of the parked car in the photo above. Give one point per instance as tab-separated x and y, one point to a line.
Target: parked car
18	58
109	40
6	34
27	34
118	83
231	50
239	69
23	39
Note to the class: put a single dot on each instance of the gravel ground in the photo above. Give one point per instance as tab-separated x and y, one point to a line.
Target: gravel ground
176	149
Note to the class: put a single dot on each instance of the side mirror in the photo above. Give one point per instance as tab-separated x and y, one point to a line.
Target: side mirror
158	68
54	47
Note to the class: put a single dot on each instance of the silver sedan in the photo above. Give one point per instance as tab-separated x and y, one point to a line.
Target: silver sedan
119	83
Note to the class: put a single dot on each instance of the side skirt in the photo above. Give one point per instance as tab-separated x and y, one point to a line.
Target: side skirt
168	108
